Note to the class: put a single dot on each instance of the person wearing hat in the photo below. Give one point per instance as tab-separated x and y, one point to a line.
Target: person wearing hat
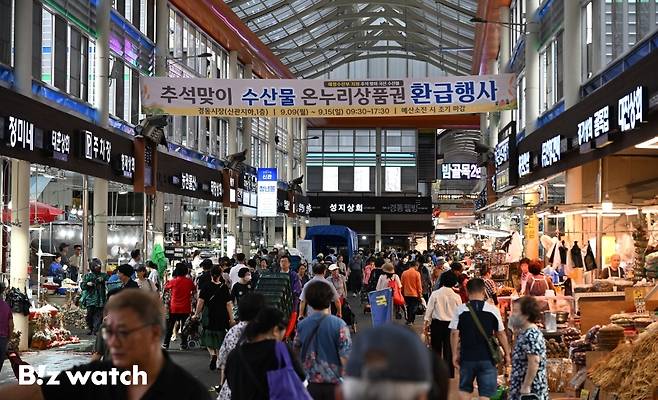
125	273
388	362
338	280
318	275
94	295
388	273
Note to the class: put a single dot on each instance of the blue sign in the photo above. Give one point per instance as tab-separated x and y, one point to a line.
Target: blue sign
266	174
381	306
266	192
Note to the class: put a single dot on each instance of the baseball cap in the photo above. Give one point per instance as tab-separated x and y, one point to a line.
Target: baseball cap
333	267
389	352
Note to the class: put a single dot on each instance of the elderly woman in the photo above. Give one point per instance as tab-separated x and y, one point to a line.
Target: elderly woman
529	355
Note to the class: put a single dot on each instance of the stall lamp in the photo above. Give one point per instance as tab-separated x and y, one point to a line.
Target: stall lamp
219	225
363	237
306	221
607	206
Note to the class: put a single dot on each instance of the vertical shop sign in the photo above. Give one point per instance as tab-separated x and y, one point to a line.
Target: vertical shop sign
58	145
632	109
267	192
550	151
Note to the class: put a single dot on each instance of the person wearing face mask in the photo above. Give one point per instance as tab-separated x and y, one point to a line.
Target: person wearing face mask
218	318
242	286
529	354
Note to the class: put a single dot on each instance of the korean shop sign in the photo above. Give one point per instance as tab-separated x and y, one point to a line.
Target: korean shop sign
460	171
322	98
267	194
328	205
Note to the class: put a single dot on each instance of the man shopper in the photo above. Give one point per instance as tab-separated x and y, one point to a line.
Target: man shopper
295	283
319	271
94	294
323	343
75	263
132	332
441	308
135	258
470	350
233	274
356	273
412	290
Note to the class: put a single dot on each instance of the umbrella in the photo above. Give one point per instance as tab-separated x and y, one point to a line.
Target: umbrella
40	213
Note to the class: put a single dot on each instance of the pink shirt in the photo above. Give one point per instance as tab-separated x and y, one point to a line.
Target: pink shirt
5	317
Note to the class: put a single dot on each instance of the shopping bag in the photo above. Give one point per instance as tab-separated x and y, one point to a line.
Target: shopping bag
398	299
284	383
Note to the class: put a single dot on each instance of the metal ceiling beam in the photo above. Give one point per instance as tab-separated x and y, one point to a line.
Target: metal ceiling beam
388	48
369	56
424	18
267	10
333	4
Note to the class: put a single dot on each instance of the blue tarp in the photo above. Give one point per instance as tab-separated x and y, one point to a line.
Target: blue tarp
325	236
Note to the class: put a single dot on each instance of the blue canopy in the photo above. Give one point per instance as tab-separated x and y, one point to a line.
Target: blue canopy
325	236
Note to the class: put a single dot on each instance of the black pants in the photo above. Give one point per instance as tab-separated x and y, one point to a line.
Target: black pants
356	280
412	307
322	391
94	318
440	340
3	350
170	328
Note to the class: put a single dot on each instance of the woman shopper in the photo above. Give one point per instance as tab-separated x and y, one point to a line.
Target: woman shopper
247	365
303	273
529	355
537	283
248	307
180	305
143	282
342	267
441	308
218	317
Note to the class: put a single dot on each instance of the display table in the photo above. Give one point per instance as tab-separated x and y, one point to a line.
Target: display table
504	302
596	308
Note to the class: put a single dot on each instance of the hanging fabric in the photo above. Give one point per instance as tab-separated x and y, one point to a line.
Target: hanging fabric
515	249
590	260
563	253
577	256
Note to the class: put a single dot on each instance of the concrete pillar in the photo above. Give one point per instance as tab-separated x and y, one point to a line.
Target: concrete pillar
572	53
20	170
378	187
531	230
504	56
161	69
378	232
271	232
99	245
290	149
232	140
20	238
531	67
303	135
290	232
302	228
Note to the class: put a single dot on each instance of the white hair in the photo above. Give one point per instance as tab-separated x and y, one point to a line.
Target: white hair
360	389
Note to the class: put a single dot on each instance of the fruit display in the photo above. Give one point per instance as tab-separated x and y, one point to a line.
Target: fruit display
630	369
505	291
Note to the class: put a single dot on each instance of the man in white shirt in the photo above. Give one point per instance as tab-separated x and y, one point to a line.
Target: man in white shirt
135	258
441	308
196	263
318	275
233	274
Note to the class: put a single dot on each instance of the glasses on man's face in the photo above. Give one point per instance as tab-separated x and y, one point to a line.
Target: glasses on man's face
119	334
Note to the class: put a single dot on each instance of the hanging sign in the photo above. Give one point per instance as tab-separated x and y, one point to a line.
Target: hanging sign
524	164
313	98
185	181
214	188
248	188
267	192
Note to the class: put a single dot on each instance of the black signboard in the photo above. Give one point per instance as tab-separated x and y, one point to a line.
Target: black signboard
174	253
506	159
296	204
324	206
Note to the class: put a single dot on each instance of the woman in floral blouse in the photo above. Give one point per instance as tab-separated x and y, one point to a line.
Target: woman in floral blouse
248	307
529	355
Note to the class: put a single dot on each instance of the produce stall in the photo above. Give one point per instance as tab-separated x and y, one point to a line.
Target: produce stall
629	371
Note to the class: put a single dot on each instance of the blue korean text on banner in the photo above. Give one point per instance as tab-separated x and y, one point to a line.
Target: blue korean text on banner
381	306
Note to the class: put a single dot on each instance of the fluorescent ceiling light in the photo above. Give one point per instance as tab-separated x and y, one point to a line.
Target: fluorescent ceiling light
649	144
